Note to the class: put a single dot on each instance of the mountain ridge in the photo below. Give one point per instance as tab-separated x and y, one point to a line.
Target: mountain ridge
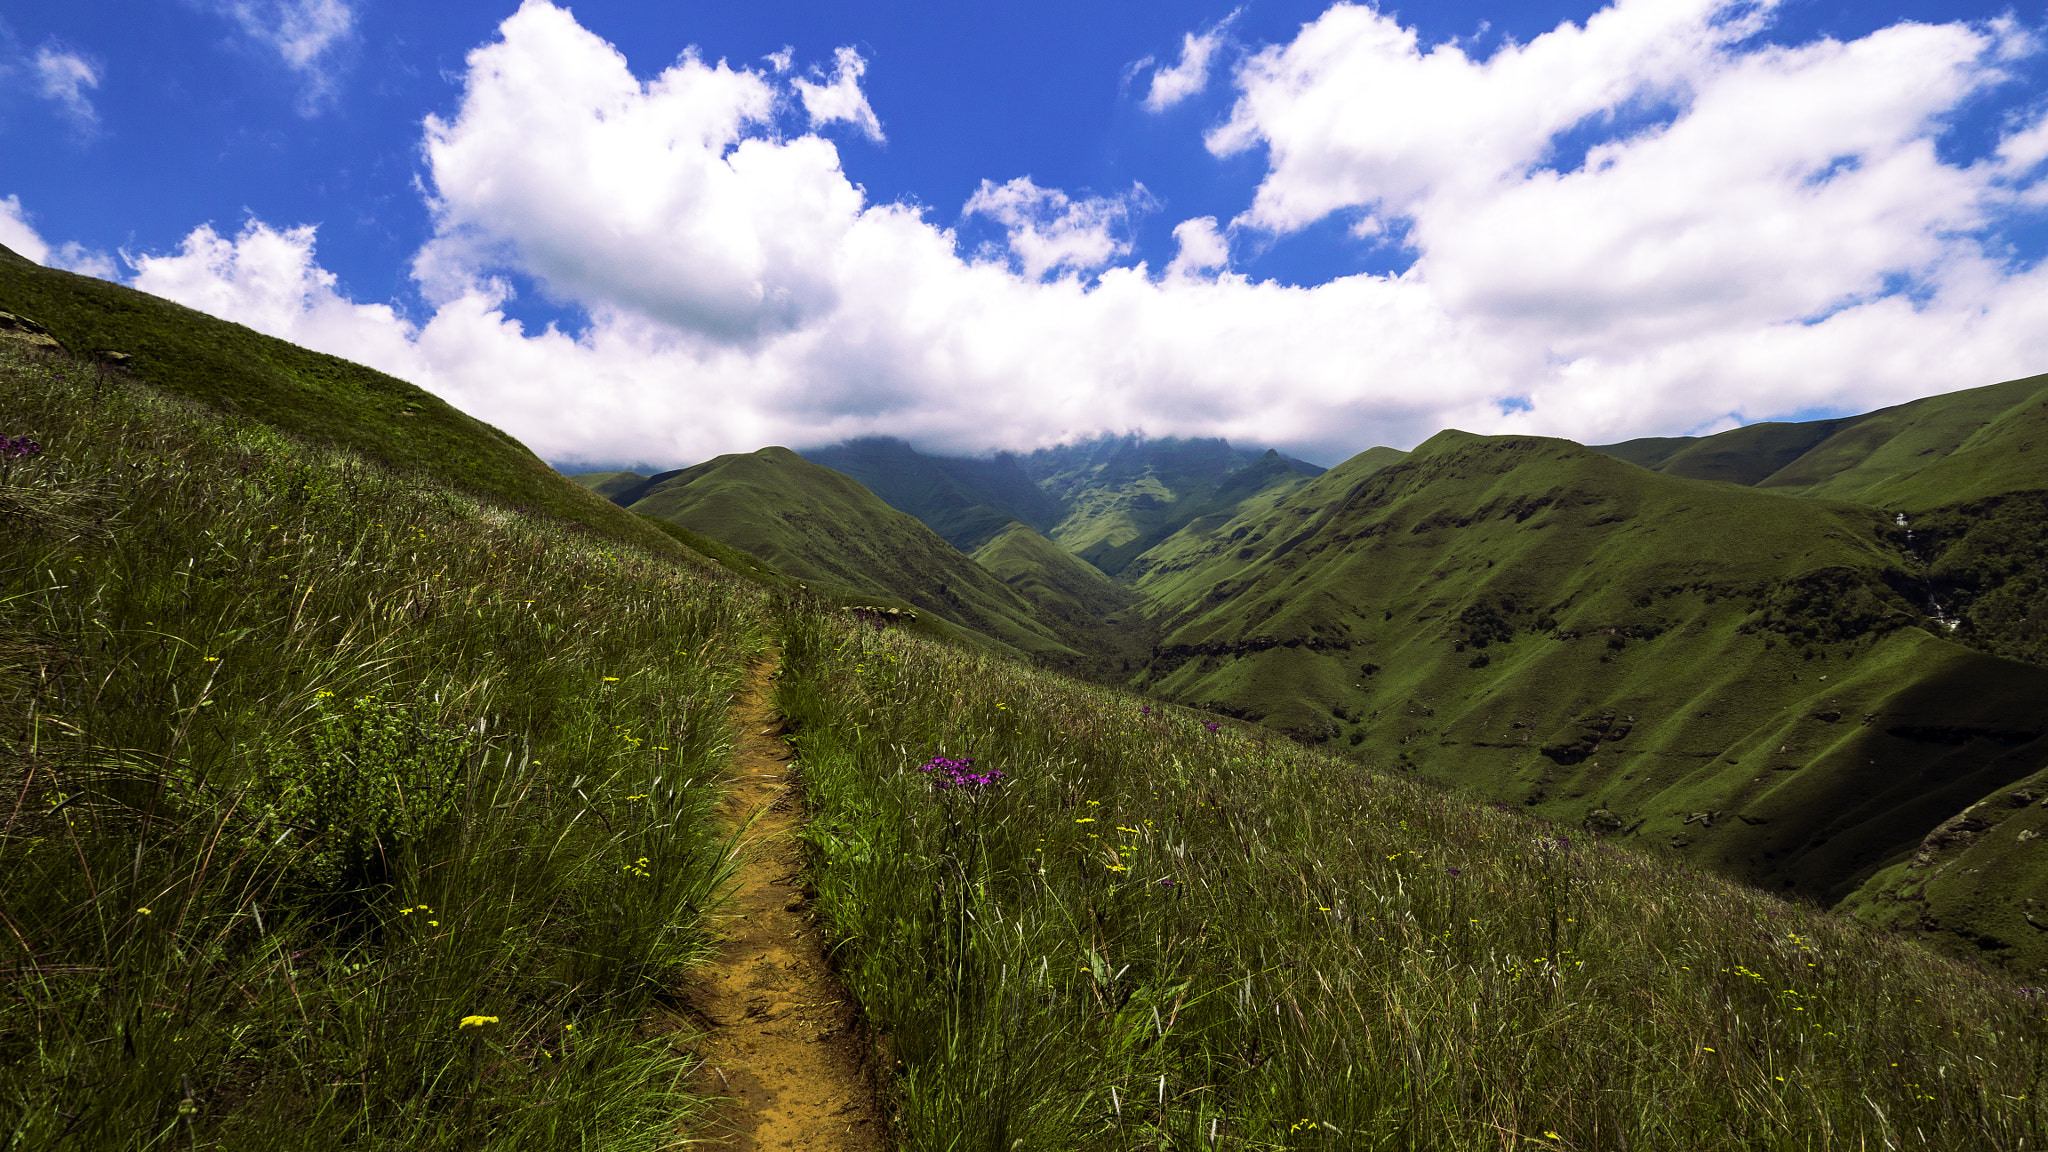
1828	680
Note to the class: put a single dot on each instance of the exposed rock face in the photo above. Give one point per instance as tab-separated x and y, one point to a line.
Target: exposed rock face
26	331
1957	830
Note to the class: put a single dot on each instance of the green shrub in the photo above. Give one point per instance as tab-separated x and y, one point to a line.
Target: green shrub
368	778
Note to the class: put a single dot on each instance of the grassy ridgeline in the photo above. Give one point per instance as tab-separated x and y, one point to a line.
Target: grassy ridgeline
1155	934
304	764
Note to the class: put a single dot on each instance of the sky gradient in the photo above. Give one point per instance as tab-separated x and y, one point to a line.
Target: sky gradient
648	234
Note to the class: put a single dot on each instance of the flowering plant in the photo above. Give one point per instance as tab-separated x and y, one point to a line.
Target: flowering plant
948	773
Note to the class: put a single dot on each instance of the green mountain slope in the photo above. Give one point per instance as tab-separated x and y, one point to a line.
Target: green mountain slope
966	501
311	759
1206	537
1741	675
812	522
1122	496
610	484
1106	500
1934	452
319	398
1966	470
1067	589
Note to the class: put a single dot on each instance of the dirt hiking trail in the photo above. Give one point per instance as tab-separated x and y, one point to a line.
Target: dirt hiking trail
783	1045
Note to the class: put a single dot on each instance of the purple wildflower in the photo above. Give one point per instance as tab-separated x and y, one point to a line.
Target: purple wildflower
1145	711
949	773
1212	726
18	447
1451	871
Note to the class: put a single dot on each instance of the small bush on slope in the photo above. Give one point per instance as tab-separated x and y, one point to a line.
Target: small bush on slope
1153	932
341	810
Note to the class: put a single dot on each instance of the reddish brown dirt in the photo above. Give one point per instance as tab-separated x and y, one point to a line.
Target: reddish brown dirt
782	1045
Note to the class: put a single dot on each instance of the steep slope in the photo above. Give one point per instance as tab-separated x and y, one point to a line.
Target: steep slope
1929	453
610	484
966	501
1741	675
1122	496
1106	500
1977	882
1208	536
319	398
1065	588
810	521
1962	470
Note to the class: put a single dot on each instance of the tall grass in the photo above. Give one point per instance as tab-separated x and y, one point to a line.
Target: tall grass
1156	934
340	810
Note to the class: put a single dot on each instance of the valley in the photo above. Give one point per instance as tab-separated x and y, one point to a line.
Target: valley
1809	656
376	785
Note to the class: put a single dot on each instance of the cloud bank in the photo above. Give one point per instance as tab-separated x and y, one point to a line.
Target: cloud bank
1652	223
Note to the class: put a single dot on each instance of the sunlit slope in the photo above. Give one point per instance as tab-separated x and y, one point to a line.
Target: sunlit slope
1930	453
812	522
1067	589
1208	537
320	398
966	501
1121	497
1724	670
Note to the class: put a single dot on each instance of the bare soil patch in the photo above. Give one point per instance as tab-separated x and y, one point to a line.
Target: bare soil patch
782	1044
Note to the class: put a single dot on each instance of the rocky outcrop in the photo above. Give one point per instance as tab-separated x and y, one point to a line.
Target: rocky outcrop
23	330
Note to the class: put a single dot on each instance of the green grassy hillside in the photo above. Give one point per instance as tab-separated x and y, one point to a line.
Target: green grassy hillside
1207	537
611	484
318	398
361	802
1737	675
1931	453
1105	500
1940	451
1063	587
347	810
813	523
966	501
1961	468
1121	496
1153	932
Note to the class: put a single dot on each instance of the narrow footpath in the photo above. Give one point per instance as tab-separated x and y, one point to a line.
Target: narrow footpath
783	1047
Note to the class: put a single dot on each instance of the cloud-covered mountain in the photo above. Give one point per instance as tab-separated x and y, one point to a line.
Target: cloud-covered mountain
1658	220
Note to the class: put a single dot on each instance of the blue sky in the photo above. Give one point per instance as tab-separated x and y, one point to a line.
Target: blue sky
1354	291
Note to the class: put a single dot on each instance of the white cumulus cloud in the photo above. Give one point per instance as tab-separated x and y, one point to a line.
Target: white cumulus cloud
268	279
1190	74
838	98
1201	247
1051	231
1647	224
